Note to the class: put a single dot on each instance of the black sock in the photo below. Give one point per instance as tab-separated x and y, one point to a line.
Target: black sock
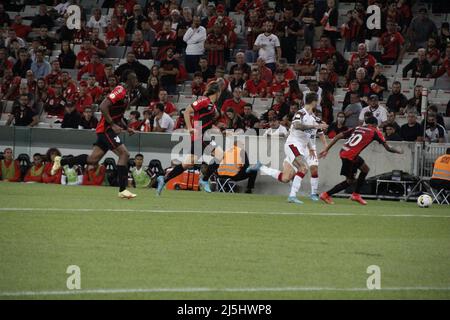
339	187
361	178
80	160
122	176
176	171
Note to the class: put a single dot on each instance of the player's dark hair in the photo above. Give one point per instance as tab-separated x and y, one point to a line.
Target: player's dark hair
372	120
310	97
213	88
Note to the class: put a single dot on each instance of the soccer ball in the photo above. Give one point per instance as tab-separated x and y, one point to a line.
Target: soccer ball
424	201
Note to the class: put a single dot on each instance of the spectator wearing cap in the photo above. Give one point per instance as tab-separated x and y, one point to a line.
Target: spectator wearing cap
421	29
420	66
162	122
82	99
379	112
131	63
40	67
391	43
222	18
268	46
42	19
72	118
396	101
88	121
195	38
21	30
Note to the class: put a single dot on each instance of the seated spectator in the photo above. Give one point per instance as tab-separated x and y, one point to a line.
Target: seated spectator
433	111
72	175
420	66
313	86
134	122
47	176
444	67
265	72
5	63
9	87
140	47
131	63
434	132
180	123
153	88
94	175
162	122
164	40
324	83
411	131
112	83
148	33
139	174
9	168
82	99
391	134
444	37
206	70
236	80
353	88
23	90
363	81
72	118
20	29
337	127
276	129
280	106
146	125
22	114
307	64
169	107
279	84
69	87
432	52
396	101
97	20
23	64
198	85
392	44
95	67
94	89
67	57
231	120
391	121
415	103
241	65
379	112
40	67
169	70
289	74
42	19
378	82
249	119
55	75
236	103
88	121
115	36
34	174
234	166
85	53
325	50
255	87
45	40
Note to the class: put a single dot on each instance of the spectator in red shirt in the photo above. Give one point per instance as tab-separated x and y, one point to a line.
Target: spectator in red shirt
94	89
236	103
134	122
265	72
68	85
433	54
55	103
198	85
255	87
165	39
445	65
246	6
215	45
121	14
9	168
325	50
289	74
279	85
351	29
4	62
34	174
9	88
47	176
21	30
95	67
392	43
83	98
115	36
55	75
94	175
366	60
84	56
221	17
169	107
254	28
140	47
98	45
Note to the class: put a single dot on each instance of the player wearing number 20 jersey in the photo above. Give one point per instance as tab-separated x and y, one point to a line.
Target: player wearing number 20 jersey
358	139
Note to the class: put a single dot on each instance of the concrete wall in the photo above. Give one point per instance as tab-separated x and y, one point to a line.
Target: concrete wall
159	146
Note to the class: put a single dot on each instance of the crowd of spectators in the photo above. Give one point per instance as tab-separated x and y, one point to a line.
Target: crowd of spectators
273	52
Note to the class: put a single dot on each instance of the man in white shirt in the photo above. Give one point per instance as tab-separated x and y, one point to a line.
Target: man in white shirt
268	46
276	129
195	38
162	122
378	111
97	21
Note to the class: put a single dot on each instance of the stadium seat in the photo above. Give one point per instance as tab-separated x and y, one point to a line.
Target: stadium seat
409	93
425	82
407	83
389	70
186	99
147	62
24	164
115	52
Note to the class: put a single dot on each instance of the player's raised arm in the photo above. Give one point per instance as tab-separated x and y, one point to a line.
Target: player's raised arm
324	152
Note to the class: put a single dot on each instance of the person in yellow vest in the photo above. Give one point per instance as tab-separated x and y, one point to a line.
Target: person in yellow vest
441	172
234	165
34	174
9	168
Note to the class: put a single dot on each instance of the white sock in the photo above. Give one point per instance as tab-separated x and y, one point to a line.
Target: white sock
314	185
274	173
296	184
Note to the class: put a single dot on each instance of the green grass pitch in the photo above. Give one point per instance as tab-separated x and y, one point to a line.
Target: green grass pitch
193	245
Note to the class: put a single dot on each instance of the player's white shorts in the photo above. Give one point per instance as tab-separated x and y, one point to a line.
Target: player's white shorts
293	150
311	161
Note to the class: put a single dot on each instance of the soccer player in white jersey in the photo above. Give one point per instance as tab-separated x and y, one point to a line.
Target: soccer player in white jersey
297	148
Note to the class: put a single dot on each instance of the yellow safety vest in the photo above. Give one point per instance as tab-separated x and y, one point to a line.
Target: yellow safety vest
231	163
442	168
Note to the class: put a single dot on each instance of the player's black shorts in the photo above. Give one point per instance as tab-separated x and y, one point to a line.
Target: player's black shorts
349	167
108	140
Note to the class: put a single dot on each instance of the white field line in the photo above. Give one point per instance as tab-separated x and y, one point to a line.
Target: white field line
92	210
212	290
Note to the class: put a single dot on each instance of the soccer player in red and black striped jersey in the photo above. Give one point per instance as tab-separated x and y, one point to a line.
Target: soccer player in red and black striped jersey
358	139
108	129
205	114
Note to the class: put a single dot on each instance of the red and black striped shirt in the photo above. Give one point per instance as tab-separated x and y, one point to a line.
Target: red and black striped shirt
204	114
120	100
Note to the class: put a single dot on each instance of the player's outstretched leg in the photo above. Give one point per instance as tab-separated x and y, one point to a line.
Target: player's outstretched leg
326	196
122	172
314	183
356	196
162	180
295	187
